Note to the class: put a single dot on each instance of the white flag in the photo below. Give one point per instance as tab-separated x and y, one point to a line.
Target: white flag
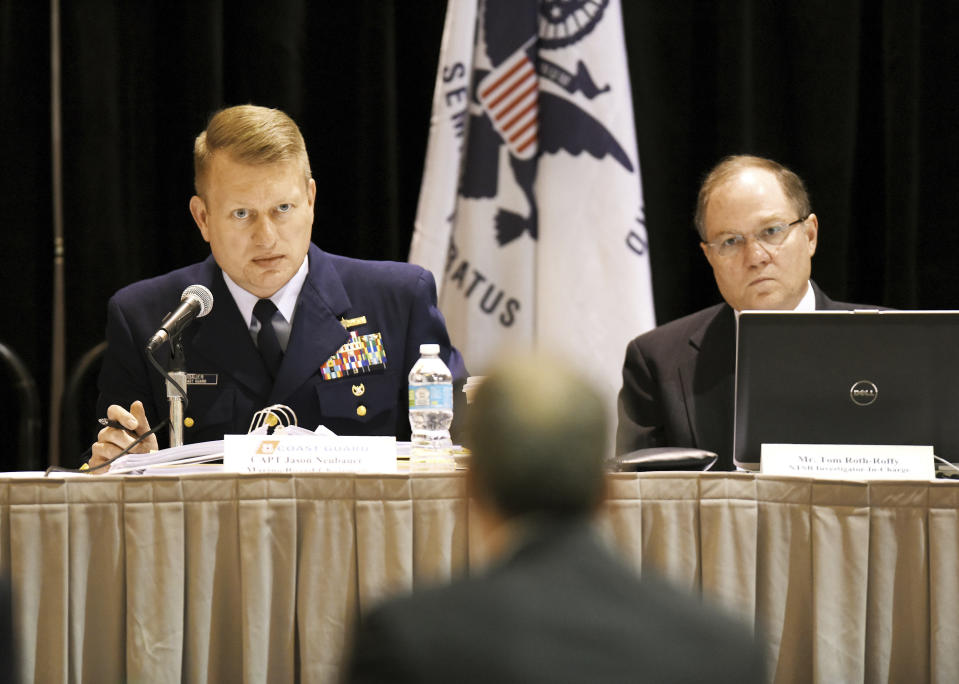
531	212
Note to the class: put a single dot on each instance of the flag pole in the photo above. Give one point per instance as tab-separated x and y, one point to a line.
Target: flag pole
58	327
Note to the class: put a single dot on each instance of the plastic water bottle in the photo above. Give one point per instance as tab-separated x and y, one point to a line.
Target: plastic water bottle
431	409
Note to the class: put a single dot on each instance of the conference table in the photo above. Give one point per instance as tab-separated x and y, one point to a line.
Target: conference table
225	577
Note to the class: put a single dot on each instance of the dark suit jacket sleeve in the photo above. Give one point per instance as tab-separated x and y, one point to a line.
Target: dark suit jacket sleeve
641	421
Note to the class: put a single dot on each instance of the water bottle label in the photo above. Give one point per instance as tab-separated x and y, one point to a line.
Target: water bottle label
431	396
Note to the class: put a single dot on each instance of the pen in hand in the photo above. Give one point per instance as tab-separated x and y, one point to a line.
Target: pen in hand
105	422
110	423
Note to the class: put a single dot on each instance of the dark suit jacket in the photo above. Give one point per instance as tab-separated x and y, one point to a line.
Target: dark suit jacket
397	299
561	609
678	383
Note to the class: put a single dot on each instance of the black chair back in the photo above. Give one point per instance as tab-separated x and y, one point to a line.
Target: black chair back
28	400
78	407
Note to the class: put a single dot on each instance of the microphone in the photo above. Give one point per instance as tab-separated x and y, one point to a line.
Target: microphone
196	302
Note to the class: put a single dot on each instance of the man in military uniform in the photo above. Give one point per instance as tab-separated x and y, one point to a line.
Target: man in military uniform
331	337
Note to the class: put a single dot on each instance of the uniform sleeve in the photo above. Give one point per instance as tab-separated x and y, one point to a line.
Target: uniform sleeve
124	375
428	325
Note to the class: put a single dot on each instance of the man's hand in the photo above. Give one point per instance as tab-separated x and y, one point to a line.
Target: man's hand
111	441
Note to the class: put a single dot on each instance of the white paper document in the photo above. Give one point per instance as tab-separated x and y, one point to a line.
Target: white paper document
201	452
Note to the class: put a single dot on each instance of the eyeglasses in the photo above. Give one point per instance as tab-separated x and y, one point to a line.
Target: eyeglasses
770	236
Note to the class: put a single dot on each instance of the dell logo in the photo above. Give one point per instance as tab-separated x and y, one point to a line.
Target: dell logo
863	393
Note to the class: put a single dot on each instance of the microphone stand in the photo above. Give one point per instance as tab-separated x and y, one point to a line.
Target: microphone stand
178	374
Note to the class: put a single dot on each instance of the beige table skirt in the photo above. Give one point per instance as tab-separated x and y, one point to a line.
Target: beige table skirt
256	578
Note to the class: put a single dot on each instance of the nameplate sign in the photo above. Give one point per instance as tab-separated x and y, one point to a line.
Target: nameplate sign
849	461
308	454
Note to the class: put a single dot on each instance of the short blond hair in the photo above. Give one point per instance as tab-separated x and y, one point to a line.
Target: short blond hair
792	185
252	135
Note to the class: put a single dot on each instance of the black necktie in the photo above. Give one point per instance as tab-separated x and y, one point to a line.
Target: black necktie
266	339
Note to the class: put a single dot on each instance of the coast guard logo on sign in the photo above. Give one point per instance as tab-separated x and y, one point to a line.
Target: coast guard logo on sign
267	446
512	108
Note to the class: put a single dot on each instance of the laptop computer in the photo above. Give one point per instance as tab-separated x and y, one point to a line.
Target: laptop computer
846	377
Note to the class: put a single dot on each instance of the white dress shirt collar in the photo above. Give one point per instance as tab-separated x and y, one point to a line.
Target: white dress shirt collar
285	298
807	303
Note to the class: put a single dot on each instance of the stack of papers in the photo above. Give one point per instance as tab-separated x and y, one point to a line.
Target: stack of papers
194	458
186	455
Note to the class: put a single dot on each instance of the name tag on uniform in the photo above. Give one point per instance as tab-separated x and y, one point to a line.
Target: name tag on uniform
201	378
362	354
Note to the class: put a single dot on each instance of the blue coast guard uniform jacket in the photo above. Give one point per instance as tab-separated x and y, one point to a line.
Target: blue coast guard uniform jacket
397	300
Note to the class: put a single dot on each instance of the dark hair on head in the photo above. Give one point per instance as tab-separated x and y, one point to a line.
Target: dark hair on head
792	185
538	435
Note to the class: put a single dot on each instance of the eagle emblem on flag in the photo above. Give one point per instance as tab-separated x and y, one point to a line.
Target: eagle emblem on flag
513	110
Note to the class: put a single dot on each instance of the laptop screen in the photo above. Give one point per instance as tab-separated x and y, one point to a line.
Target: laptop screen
846	377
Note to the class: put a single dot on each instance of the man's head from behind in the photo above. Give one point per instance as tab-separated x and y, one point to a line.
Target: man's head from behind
758	232
255	196
538	435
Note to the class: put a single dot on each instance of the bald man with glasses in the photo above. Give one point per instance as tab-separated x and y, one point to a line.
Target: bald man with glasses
758	234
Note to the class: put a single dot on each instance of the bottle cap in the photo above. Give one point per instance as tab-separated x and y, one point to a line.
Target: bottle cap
429	348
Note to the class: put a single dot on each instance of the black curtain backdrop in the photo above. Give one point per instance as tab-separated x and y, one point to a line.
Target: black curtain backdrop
860	98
